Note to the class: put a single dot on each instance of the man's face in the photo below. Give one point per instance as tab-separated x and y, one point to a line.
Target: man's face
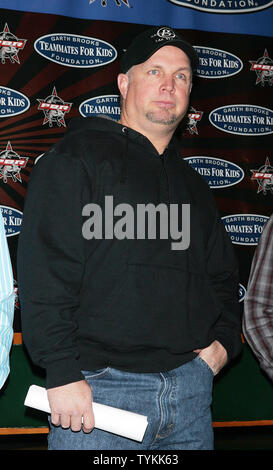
156	92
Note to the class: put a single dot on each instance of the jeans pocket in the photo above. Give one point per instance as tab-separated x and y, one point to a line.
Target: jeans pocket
204	364
93	374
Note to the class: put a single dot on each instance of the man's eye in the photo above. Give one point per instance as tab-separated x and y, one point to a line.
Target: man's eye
180	76
153	72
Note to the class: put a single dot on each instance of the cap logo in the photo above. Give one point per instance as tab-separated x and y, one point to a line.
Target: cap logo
166	33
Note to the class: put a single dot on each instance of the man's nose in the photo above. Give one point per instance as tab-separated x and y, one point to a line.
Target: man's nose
167	83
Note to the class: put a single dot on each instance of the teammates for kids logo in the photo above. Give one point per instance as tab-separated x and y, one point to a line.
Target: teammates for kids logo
243	119
12	220
12	102
225	6
242	292
73	50
106	105
217	173
215	63
244	229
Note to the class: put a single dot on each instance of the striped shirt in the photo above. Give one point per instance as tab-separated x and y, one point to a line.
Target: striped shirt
7	297
258	303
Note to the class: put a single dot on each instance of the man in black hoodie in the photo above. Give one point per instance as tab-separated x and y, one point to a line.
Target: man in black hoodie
139	322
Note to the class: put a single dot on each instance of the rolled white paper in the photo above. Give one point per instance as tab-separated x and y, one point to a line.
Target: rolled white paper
114	420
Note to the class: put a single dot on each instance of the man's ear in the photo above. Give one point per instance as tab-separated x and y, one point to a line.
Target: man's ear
123	82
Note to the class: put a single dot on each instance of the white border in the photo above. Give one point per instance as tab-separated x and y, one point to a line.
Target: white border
94	98
19	93
240	133
222	160
13	209
225	52
78	36
211	10
240	215
244	292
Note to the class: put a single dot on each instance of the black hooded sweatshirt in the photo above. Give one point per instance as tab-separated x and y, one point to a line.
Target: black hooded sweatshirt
135	304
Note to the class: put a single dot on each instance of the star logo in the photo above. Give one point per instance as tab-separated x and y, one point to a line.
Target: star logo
11	164
118	2
264	177
264	69
54	109
10	46
193	118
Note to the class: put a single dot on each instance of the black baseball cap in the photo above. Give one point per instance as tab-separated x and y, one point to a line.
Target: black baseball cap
148	42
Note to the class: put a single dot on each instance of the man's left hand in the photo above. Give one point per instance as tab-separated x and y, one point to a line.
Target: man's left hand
215	355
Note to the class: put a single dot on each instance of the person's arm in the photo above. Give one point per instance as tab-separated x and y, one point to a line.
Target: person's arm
258	302
50	265
7	296
222	268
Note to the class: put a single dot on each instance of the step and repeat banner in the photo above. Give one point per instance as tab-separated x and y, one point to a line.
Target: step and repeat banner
60	59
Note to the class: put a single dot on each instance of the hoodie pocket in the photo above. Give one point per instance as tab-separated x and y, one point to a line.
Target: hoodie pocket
156	306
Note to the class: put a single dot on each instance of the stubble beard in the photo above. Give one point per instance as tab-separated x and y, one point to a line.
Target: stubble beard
171	120
157	119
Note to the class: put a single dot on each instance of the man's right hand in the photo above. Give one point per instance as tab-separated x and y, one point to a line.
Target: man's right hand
71	406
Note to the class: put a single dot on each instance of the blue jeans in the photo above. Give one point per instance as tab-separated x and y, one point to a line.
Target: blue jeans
177	404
